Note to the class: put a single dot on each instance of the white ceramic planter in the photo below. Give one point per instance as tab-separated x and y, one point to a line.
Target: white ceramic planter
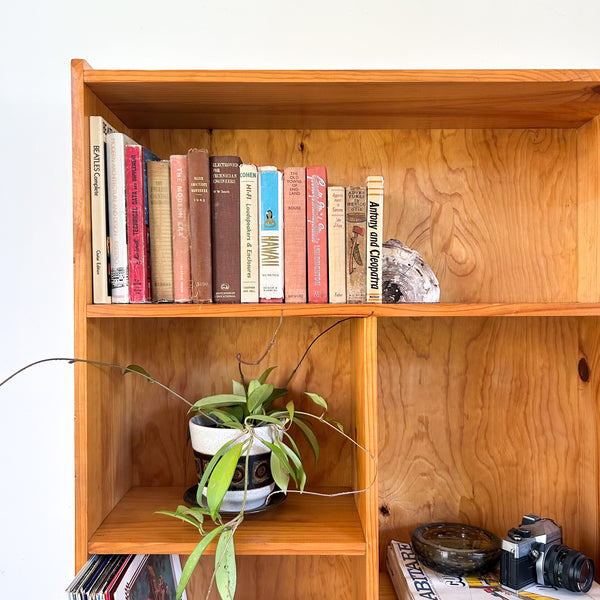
206	441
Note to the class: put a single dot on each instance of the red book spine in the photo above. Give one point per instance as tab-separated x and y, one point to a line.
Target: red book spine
316	234
182	287
294	233
137	234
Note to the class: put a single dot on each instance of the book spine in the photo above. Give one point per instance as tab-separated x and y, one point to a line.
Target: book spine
316	234
336	243
136	224
181	228
147	155
225	223
99	129
356	228
161	242
200	226
375	239
249	233
271	256
119	270
294	234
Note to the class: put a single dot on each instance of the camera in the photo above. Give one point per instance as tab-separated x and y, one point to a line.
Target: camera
534	553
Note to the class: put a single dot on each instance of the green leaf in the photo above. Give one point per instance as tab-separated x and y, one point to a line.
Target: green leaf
258	396
290	409
336	423
283	464
296	461
277	393
309	435
225	568
221	477
280	474
194	557
264	375
254	383
194	516
138	369
265	419
209	468
218	401
317	399
238	388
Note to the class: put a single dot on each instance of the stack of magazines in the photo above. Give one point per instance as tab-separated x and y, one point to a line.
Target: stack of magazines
127	577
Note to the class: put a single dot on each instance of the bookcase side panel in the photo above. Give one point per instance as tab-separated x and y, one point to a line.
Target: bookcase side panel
482	425
588	204
364	375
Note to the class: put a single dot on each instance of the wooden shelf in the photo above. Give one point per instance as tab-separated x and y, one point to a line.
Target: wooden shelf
386	588
348	99
491	309
301	525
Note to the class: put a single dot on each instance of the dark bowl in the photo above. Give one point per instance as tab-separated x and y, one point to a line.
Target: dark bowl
456	548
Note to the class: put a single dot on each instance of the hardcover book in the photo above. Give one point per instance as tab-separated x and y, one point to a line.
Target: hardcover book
294	239
161	241
200	226
336	224
249	232
182	288
138	234
225	223
316	234
375	238
99	129
356	228
117	222
270	182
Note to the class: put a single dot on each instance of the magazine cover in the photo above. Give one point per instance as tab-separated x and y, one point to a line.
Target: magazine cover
158	579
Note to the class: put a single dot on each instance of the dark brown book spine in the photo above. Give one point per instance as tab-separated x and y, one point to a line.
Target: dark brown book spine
225	223
200	226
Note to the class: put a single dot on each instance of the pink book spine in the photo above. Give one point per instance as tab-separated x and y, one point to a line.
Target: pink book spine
137	240
316	234
294	233
180	219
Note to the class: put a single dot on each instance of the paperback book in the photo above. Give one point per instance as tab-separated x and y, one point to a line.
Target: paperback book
249	232
316	234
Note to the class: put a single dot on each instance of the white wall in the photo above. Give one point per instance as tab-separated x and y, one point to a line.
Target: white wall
37	41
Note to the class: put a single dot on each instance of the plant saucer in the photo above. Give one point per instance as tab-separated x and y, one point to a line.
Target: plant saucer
273	499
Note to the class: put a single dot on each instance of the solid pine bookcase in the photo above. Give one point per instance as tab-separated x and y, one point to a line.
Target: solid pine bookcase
479	409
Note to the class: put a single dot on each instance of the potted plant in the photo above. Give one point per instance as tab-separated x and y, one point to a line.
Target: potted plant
246	454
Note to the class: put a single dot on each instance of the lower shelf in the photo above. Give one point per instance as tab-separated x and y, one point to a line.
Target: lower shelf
386	588
302	525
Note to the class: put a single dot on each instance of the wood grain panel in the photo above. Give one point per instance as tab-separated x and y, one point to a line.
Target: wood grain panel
587	537
588	204
297	578
480	422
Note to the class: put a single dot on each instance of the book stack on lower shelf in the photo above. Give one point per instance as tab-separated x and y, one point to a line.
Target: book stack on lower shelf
196	228
127	576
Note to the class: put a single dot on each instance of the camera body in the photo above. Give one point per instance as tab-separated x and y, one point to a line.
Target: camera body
534	553
524	549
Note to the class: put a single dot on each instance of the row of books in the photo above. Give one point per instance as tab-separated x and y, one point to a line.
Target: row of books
127	576
200	228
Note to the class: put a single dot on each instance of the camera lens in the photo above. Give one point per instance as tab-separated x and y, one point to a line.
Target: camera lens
568	568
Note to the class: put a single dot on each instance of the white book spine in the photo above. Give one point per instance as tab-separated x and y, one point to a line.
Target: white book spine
117	217
99	129
336	250
270	218
249	232
374	239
